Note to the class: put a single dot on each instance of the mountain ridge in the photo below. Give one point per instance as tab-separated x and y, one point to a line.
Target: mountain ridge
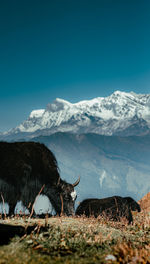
120	113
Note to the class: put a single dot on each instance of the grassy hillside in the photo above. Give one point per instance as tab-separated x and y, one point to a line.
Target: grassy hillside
79	240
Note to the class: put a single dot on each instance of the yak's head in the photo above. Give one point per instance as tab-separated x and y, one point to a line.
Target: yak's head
67	197
133	205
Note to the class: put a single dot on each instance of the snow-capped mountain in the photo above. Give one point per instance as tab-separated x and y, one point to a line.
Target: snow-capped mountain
84	138
118	114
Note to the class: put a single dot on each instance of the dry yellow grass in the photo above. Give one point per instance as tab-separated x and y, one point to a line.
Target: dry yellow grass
145	203
79	240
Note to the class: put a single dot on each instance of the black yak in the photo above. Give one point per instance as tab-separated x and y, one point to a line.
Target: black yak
114	208
24	168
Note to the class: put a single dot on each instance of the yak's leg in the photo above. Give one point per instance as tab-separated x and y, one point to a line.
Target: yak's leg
129	217
12	208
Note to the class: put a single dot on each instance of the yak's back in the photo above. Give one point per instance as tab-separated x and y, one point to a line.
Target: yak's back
27	159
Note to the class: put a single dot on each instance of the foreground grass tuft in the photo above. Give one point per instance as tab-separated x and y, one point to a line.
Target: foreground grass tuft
80	240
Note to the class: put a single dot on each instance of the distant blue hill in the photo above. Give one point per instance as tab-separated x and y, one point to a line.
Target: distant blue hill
107	165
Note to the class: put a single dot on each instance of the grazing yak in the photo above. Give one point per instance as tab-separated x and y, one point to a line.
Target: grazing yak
25	168
114	208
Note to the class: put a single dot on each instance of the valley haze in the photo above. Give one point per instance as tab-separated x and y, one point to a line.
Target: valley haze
105	140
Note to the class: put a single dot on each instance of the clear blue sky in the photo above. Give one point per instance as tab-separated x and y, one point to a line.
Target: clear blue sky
71	49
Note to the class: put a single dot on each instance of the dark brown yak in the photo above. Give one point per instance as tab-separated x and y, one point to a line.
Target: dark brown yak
24	168
114	208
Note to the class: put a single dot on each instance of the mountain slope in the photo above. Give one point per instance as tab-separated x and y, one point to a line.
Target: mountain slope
107	165
121	113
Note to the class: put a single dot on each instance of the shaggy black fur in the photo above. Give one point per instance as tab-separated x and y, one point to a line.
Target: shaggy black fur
24	168
114	207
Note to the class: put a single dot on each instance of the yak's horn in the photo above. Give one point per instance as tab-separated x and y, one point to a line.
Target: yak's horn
76	183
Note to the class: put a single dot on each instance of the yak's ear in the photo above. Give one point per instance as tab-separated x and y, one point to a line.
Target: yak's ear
77	182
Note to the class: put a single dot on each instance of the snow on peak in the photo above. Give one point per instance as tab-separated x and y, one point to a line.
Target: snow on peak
123	95
120	93
57	105
37	113
102	115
